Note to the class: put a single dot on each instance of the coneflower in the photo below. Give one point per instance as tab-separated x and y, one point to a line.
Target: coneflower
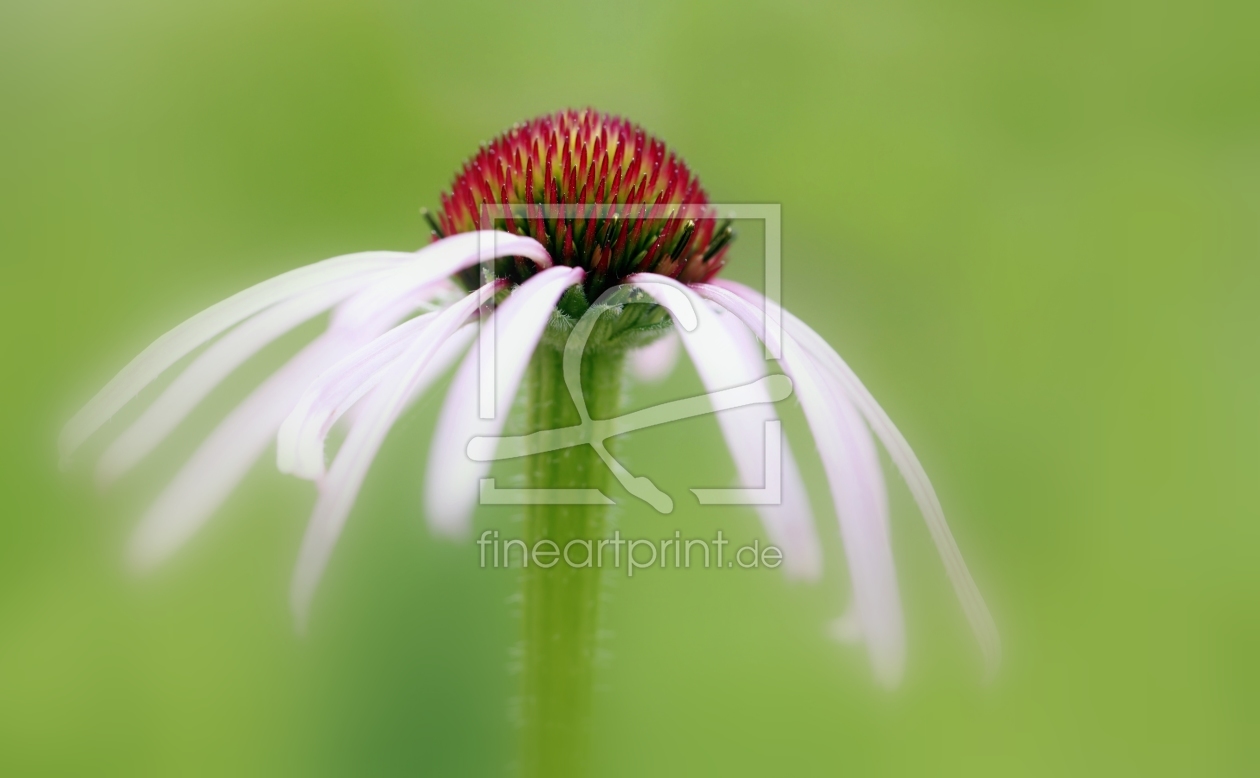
597	222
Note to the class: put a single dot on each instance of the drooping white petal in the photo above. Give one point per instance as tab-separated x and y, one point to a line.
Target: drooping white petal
452	480
340	487
301	440
207	371
438	260
791	523
223	459
383	301
655	361
857	489
227	454
178	342
725	356
905	460
389	300
913	473
462	251
447	354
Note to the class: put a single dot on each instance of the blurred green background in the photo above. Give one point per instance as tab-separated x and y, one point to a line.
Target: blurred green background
1031	228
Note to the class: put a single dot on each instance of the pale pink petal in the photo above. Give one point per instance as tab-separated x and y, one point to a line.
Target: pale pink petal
300	441
837	371
389	301
226	455
341	486
175	344
907	463
725	356
857	488
438	260
369	315
655	361
447	354
364	311
790	524
383	300
207	371
451	484
223	459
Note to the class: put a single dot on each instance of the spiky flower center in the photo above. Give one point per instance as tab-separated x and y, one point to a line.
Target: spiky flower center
598	192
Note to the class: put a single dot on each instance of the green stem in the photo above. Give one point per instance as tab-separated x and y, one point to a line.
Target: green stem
561	603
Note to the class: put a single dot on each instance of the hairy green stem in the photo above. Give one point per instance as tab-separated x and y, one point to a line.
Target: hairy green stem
561	603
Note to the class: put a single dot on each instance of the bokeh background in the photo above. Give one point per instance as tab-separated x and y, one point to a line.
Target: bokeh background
1032	229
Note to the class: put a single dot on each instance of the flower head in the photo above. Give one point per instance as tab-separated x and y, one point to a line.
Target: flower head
586	204
598	192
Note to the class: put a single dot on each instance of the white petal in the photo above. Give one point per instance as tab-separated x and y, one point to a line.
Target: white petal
301	440
451	484
857	489
207	371
365	312
447	354
389	301
655	361
225	457
907	463
790	524
726	356
341	486
175	344
438	260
